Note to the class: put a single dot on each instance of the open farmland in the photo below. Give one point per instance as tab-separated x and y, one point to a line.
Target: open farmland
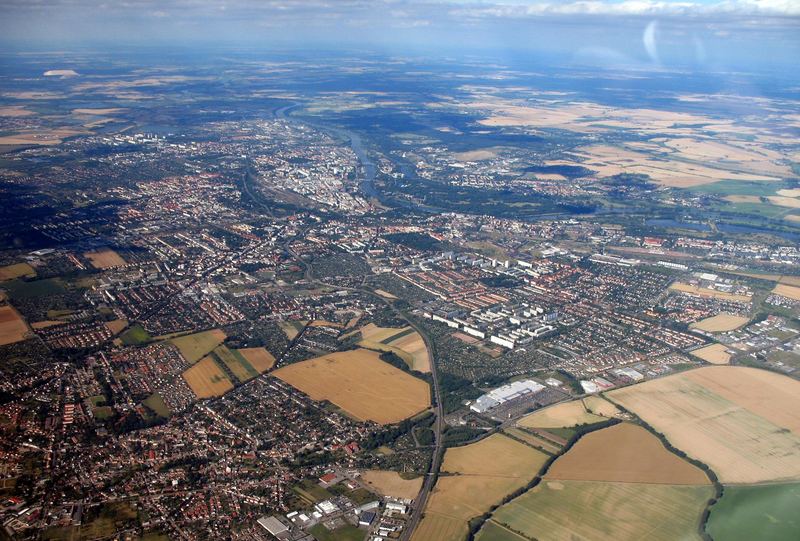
720	323
792	292
561	415
406	343
714	354
558	510
9	272
744	423
705	292
361	384
292	328
236	363
259	358
763	512
104	259
624	453
12	327
482	474
390	483
194	347
600	406
207	379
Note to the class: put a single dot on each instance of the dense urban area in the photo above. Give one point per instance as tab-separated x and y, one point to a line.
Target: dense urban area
267	324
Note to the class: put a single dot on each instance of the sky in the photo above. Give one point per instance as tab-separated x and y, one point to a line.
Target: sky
700	34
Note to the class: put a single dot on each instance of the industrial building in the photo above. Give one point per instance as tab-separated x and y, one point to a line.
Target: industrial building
503	394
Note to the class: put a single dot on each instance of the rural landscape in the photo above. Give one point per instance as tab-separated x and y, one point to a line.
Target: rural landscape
532	274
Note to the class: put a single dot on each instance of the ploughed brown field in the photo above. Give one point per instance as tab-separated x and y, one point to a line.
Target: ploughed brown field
12	327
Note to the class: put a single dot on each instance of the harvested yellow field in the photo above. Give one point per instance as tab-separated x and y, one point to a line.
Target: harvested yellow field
483	473
792	292
625	453
377	334
261	359
324	323
561	415
720	323
795	192
14	111
292	328
9	272
589	510
105	259
36	325
742	198
600	406
194	347
117	325
385	294
476	155
206	379
705	292
406	343
12	327
743	422
361	384
714	354
109	111
788	202
390	483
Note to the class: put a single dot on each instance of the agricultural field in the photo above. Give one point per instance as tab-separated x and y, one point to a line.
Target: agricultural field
105	259
361	384
12	327
135	336
19	270
793	292
763	512
206	379
481	474
720	323
705	292
194	347
406	343
259	358
292	328
562	415
156	403
714	354
558	510
744	423
624	453
21	289
391	483
600	406
236	363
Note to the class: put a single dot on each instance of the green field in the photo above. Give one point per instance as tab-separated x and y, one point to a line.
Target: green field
194	347
739	187
763	512
156	403
236	363
600	510
311	491
20	289
345	533
135	336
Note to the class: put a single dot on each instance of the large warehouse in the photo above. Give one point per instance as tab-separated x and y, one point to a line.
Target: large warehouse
503	394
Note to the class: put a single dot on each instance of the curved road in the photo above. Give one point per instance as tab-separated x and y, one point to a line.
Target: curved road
369	169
